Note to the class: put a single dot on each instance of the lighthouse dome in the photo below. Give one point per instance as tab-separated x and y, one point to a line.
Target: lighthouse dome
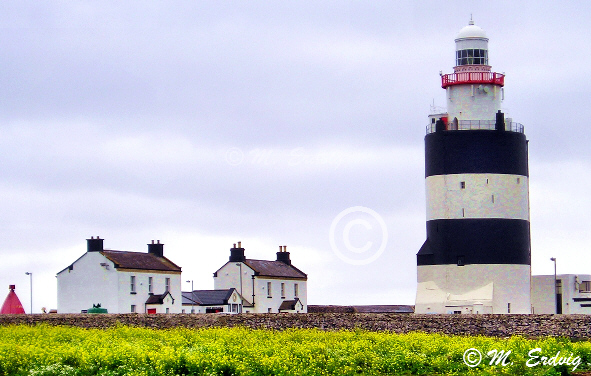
471	31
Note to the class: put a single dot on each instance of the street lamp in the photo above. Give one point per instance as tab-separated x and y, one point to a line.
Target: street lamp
555	292
192	296
31	283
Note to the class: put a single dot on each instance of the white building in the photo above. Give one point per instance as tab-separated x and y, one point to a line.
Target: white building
266	286
572	295
121	282
213	301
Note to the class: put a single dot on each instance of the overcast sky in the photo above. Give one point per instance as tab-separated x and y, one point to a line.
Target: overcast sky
272	123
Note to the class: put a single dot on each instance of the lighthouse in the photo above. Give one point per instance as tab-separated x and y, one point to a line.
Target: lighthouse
476	258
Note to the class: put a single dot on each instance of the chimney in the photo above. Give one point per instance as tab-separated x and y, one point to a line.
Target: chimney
94	244
156	249
237	253
283	255
11	287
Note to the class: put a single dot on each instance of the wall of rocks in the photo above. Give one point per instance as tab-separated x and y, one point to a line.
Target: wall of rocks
531	326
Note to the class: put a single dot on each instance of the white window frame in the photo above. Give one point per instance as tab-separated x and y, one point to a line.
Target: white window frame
132	284
150	284
269	290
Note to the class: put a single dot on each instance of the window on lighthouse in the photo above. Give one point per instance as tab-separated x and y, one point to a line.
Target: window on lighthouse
472	56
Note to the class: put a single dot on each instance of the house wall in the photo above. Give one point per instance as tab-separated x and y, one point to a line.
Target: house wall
229	277
126	298
88	283
543	294
262	300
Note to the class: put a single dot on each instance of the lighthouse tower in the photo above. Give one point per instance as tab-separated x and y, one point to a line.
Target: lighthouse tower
476	258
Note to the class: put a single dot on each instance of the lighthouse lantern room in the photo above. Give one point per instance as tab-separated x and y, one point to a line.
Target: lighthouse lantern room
476	258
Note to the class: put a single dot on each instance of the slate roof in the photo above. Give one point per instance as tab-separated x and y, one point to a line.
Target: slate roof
140	260
157	299
207	297
275	269
384	309
288	305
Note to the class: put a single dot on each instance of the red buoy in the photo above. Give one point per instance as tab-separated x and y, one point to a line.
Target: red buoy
12	304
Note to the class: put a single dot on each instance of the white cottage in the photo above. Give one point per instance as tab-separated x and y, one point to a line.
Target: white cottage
266	286
121	282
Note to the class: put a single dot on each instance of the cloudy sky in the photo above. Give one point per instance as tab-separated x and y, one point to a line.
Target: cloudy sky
204	123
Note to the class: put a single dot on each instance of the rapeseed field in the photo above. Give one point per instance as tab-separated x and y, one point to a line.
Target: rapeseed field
47	350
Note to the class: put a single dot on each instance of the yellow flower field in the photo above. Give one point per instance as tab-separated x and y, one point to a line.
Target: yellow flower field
46	350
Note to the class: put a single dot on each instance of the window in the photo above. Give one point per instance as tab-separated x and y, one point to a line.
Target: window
167	284
457	312
183	311
132	284
585	286
133	308
508	307
518	180
295	290
462	185
282	290
472	56
167	310
150	284
493	199
268	310
463	212
269	289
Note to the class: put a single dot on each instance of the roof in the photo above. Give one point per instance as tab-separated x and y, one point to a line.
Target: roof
471	31
140	260
288	305
158	299
12	304
207	297
384	309
275	269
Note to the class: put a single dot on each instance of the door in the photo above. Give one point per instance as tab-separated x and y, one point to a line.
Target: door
151	311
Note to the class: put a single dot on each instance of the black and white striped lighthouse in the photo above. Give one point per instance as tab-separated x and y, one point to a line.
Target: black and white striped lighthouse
476	258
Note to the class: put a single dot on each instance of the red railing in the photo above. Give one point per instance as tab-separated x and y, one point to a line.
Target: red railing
472	78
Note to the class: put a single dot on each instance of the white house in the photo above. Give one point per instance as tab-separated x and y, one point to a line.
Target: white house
213	301
121	282
572	295
266	286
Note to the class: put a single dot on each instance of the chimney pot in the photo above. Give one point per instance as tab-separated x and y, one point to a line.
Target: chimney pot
239	244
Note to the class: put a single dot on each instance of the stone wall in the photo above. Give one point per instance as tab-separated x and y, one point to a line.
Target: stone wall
572	326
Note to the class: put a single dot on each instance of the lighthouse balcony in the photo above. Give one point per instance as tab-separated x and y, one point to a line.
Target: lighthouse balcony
470	125
472	78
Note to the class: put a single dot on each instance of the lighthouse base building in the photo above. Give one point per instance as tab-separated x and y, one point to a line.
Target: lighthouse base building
476	258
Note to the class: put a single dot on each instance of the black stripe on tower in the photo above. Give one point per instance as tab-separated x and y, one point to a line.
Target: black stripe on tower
475	152
476	241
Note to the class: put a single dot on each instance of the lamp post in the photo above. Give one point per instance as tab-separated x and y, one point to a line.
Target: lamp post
192	300
555	292
30	274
